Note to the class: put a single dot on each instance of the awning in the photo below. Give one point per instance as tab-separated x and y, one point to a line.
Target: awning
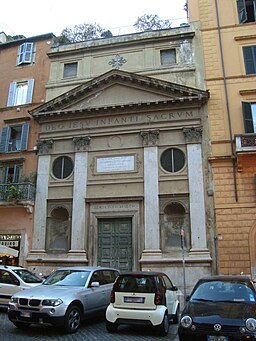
8	251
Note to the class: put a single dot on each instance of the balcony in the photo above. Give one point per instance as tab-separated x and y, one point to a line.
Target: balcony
245	152
21	194
245	142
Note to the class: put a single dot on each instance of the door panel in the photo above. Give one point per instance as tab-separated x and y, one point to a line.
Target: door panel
115	243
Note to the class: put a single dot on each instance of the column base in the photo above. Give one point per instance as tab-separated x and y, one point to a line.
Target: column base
151	255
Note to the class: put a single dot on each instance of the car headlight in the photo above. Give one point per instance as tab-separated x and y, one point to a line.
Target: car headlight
251	324
186	321
52	302
14	299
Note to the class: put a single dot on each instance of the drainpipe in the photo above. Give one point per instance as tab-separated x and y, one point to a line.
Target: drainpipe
227	102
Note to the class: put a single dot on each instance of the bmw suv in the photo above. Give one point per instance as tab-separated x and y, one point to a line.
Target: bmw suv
66	297
146	298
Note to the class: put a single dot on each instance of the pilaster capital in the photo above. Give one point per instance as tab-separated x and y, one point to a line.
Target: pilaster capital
44	146
193	134
82	143
150	137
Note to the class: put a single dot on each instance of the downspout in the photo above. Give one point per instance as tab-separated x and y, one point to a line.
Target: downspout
227	102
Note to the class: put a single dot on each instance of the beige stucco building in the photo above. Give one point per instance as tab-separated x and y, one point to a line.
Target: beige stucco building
229	45
123	157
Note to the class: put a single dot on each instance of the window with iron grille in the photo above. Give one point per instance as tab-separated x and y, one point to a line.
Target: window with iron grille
70	70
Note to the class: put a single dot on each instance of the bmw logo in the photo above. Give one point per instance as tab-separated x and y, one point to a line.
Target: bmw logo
217	327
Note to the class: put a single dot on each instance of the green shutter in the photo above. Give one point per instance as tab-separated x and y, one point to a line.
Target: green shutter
248	121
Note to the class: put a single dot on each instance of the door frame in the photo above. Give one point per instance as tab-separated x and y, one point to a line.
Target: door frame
112	210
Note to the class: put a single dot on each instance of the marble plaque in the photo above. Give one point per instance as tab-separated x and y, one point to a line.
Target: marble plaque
115	164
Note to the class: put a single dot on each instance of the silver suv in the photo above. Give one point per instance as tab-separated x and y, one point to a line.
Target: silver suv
146	298
65	298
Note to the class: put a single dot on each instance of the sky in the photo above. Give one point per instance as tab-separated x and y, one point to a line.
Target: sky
31	18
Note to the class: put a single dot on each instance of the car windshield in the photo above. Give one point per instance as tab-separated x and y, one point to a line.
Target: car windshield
143	284
223	291
67	278
27	276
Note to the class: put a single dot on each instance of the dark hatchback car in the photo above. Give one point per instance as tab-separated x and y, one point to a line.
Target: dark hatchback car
220	308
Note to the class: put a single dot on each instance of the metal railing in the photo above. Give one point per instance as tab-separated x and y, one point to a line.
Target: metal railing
17	191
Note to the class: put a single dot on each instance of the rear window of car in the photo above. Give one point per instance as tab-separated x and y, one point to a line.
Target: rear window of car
143	284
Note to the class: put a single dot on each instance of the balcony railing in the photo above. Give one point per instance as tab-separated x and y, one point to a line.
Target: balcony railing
23	191
245	142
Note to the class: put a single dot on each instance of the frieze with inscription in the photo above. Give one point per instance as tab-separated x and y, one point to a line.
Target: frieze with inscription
119	120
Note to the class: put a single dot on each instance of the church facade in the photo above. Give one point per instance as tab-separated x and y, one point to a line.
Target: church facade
123	178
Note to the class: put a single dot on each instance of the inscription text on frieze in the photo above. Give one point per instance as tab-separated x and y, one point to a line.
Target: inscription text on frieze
119	120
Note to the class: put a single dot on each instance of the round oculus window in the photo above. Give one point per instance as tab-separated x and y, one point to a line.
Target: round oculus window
173	160
62	167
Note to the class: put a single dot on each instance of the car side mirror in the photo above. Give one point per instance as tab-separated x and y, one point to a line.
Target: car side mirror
95	284
174	288
187	298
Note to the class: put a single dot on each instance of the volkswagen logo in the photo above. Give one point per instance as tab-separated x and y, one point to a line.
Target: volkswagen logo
217	327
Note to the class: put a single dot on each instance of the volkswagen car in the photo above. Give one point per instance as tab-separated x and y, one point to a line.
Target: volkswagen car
14	279
66	297
220	308
144	298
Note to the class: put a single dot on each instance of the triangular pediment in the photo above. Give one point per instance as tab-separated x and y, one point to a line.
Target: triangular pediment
119	89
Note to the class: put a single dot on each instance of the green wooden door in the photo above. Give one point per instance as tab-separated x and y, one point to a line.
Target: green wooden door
115	243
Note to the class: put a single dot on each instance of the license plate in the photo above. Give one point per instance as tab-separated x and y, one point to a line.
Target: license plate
134	299
217	338
25	314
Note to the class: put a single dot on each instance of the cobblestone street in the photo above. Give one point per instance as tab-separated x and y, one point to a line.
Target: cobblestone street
91	330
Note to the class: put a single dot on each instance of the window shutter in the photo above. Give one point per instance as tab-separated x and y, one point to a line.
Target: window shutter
28	53
24	136
248	121
16	175
242	13
4	140
25	53
11	94
20	54
30	91
250	59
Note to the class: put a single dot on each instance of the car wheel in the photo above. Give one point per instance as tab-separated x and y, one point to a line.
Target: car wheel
111	327
21	325
163	328
176	316
72	319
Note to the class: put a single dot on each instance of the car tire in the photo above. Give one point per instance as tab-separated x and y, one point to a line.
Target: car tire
176	317
163	328
72	319
21	325
111	327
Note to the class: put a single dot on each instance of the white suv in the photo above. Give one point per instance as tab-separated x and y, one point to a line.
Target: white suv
14	279
147	298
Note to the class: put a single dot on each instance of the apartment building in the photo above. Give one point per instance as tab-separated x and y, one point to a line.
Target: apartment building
228	31
24	70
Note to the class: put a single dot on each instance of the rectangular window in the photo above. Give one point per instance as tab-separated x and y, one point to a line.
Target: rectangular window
20	93
250	59
70	70
25	53
10	173
249	114
168	57
246	11
14	138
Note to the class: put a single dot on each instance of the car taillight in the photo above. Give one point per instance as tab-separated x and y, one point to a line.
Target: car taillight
112	296
158	298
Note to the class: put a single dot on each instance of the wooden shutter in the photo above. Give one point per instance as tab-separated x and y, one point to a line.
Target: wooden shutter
30	91
4	139
248	121
242	13
24	136
250	59
11	94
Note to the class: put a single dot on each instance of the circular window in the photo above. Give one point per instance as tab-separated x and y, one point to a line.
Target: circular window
172	160
62	167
